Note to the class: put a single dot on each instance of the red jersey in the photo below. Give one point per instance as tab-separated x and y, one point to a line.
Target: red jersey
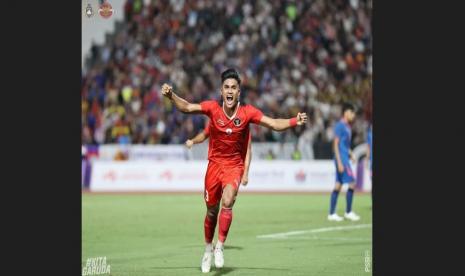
229	136
206	130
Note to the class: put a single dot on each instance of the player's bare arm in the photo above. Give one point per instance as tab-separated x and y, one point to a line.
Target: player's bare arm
340	167
181	104
283	124
368	153
351	155
199	138
248	157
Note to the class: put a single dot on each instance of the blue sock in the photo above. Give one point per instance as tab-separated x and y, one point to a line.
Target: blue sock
334	195
349	196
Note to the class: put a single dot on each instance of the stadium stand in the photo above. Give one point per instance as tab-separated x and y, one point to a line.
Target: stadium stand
292	55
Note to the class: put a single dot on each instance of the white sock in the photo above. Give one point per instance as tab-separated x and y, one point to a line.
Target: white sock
219	244
209	247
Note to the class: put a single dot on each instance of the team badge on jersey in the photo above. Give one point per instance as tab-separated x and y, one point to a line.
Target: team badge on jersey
237	122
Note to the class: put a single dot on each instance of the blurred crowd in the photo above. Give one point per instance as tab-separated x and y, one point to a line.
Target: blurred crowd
308	56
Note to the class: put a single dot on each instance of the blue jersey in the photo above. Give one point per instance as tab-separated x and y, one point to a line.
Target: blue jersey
343	131
370	143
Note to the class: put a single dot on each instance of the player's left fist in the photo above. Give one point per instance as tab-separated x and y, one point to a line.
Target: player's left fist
301	118
189	143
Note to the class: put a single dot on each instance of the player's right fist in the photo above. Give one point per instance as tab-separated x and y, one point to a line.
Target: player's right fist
189	143
167	90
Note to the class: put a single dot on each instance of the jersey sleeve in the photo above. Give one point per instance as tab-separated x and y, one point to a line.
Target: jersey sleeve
338	130
254	114
207	107
206	130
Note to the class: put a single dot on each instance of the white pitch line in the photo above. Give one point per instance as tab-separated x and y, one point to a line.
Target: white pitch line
331	239
318	230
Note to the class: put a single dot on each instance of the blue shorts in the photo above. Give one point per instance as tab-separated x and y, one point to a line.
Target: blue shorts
347	176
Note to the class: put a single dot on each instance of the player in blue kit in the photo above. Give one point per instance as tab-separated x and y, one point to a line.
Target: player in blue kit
369	156
342	157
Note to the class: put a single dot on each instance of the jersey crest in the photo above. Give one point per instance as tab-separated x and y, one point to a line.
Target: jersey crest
237	122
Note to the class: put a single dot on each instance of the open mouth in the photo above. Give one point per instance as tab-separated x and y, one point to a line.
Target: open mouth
229	99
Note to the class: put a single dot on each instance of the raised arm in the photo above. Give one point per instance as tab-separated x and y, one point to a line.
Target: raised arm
283	124
181	104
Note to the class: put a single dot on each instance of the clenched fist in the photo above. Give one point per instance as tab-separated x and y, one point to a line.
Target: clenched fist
189	143
167	90
245	179
301	118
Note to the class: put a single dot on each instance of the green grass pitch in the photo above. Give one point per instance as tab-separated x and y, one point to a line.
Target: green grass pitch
162	234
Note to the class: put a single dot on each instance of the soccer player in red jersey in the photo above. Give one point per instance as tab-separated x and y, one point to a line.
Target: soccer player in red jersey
229	137
205	133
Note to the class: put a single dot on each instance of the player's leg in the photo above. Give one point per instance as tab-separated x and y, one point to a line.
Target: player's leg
349	197
227	202
225	219
231	179
333	201
349	214
210	222
348	177
212	196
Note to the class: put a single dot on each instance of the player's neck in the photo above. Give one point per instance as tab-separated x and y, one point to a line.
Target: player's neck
230	112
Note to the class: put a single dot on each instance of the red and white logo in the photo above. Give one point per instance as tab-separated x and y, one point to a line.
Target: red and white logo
167	174
105	10
220	122
111	176
228	131
300	176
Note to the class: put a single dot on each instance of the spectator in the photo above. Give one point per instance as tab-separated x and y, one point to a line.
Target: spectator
296	155
270	155
292	55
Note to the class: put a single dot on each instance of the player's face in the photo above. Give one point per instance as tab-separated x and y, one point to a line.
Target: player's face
230	92
350	115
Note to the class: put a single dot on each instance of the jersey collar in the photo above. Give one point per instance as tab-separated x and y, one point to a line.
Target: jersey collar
235	112
345	122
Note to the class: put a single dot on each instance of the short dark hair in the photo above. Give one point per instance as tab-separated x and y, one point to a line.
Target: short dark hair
347	106
230	74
